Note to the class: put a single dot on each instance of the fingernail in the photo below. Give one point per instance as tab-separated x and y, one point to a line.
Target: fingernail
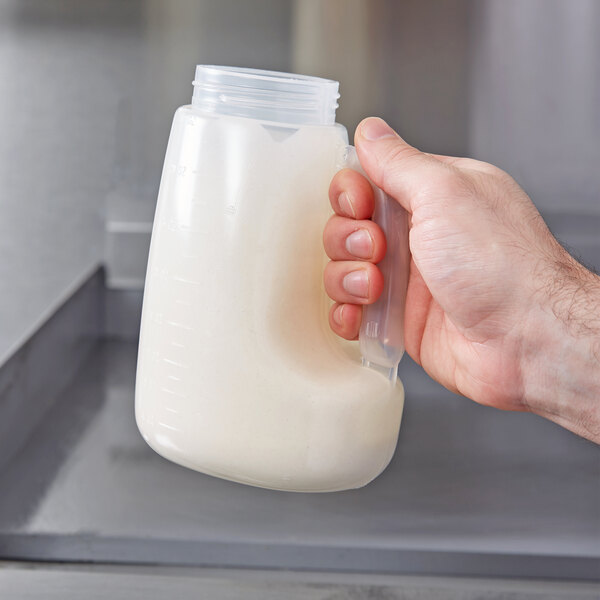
356	283
346	205
337	315
360	244
375	129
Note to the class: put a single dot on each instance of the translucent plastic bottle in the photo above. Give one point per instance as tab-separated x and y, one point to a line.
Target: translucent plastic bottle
239	374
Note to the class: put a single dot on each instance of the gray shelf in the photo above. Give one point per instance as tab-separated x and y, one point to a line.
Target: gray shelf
123	582
471	491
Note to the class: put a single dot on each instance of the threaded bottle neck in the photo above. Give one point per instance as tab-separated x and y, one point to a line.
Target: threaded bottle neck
265	95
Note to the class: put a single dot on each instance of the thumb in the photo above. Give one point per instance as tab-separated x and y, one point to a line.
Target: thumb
393	165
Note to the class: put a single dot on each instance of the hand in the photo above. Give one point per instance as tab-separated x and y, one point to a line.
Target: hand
496	309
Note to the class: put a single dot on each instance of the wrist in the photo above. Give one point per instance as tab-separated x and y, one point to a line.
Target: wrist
561	348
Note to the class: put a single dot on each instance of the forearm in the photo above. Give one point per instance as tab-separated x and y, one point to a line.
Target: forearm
561	370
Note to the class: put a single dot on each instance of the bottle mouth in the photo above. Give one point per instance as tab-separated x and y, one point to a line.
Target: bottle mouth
265	95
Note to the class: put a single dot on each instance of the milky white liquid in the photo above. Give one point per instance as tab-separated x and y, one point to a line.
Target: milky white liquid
239	375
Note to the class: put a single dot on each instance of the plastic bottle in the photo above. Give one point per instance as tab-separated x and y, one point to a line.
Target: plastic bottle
239	374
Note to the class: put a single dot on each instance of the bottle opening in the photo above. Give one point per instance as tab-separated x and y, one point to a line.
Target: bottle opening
265	95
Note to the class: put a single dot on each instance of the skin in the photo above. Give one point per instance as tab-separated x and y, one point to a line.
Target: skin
496	309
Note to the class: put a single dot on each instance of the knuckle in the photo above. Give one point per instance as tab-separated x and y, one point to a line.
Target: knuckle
393	161
331	229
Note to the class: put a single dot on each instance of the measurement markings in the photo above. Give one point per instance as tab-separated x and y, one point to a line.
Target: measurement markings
175	363
167	426
179	325
168	391
185	280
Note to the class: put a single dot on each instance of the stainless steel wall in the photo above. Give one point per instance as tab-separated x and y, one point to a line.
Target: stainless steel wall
60	75
87	93
174	37
88	89
404	61
534	97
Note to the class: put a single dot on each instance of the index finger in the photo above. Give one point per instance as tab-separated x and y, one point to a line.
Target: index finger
351	195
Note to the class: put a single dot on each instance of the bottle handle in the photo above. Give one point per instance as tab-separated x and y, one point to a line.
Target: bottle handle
381	337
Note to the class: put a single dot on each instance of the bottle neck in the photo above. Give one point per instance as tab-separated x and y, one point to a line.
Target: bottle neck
265	95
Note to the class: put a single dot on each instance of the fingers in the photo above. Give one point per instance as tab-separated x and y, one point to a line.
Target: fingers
351	195
353	282
392	164
346	239
354	243
345	319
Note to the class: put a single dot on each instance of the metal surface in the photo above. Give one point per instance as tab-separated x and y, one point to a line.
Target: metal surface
45	363
471	491
63	582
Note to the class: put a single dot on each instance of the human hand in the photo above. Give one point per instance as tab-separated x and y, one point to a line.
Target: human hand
496	309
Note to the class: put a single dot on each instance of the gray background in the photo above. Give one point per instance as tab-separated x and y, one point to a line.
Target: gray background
87	93
88	89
